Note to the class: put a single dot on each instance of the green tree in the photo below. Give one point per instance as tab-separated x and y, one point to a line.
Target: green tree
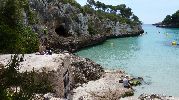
98	5
119	13
167	20
87	9
136	19
26	84
91	2
15	37
125	12
172	20
104	7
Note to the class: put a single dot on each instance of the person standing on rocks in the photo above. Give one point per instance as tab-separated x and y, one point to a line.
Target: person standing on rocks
48	50
126	83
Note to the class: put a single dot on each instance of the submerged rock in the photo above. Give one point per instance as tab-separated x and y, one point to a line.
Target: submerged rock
136	81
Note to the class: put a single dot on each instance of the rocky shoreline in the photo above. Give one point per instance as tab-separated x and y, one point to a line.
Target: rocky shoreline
88	80
165	26
106	88
73	44
83	41
84	76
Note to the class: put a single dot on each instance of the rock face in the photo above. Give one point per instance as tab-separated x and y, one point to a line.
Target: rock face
72	72
65	27
85	70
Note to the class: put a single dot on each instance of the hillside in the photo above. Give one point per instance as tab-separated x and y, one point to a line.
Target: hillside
170	21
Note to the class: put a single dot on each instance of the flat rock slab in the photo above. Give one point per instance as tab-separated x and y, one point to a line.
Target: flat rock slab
38	62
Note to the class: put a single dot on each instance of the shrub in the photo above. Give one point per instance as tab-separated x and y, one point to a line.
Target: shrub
92	30
26	84
15	36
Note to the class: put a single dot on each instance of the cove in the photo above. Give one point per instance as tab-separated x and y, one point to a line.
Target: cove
150	56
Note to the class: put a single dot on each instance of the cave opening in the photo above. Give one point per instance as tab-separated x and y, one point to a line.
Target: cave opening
61	31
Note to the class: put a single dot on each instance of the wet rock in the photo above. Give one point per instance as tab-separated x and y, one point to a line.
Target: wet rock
136	81
133	81
129	93
155	97
120	81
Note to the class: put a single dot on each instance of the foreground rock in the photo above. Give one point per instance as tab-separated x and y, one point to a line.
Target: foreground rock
106	88
66	71
37	62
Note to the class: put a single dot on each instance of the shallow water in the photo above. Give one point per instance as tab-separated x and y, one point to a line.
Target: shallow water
150	56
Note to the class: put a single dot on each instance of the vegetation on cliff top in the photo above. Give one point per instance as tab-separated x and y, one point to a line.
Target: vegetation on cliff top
120	13
172	20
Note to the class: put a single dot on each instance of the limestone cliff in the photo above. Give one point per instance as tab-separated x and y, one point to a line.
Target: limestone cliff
67	27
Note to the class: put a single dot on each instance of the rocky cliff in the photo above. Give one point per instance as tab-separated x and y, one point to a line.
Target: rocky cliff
67	27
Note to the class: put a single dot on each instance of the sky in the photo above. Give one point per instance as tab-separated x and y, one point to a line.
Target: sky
148	11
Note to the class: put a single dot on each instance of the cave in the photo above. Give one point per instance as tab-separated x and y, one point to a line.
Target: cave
61	31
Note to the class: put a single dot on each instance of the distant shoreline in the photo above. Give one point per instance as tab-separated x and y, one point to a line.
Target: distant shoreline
165	26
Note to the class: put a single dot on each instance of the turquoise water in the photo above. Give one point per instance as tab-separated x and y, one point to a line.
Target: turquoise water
150	56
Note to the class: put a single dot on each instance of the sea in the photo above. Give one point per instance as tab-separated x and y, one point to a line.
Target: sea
151	56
